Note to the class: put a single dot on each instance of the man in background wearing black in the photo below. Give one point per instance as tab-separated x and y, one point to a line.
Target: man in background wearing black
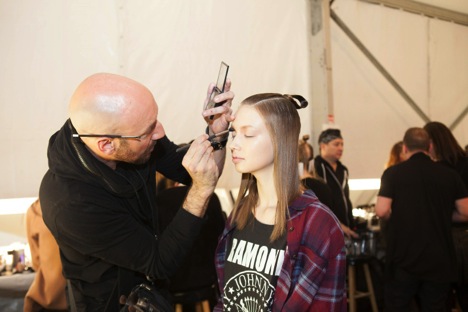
420	198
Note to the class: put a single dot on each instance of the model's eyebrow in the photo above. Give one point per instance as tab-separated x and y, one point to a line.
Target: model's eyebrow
246	127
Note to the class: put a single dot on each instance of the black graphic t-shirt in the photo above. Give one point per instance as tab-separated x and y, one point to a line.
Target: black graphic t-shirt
252	268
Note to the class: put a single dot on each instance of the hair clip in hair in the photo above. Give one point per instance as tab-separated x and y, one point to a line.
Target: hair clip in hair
298	100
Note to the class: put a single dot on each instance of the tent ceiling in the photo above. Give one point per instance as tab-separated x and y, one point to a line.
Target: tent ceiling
454	11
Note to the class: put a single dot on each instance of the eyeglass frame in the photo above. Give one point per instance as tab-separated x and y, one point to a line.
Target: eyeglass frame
112	136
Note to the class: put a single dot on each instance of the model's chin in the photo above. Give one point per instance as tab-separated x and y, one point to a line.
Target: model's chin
239	168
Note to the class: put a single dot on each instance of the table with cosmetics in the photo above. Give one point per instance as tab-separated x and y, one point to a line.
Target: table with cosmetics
15	277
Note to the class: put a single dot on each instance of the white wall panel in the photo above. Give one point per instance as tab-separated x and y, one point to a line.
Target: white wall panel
174	47
423	55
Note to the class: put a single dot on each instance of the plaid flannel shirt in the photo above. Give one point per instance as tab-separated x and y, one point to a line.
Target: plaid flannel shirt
313	275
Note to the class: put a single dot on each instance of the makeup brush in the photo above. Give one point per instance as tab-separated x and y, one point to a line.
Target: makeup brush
211	137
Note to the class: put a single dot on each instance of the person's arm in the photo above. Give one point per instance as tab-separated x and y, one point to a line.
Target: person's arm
169	162
106	227
320	266
383	207
200	164
348	232
460	214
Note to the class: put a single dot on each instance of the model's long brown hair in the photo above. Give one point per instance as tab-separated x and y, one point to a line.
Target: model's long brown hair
279	112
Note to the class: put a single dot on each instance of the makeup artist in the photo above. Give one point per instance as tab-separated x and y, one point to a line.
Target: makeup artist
99	192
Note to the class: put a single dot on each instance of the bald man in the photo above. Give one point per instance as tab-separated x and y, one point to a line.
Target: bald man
98	196
420	198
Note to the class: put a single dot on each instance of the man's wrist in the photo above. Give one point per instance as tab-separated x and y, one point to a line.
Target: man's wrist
197	200
219	145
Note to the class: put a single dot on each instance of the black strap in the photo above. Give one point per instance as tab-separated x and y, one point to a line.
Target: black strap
71	297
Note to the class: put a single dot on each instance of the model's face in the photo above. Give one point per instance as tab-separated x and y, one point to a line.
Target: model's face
333	150
251	146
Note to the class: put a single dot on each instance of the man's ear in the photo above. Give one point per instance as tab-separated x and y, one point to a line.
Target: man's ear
405	149
106	146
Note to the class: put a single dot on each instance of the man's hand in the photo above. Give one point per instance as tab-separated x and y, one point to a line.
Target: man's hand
348	232
222	115
200	164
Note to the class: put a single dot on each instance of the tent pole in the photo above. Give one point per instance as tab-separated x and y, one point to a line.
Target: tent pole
379	66
321	69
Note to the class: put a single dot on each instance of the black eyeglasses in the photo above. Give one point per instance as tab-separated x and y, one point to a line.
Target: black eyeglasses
112	136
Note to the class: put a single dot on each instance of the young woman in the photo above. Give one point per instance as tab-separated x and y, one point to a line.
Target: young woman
281	249
446	150
397	155
308	177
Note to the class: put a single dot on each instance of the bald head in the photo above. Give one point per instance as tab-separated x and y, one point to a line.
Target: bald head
110	104
416	139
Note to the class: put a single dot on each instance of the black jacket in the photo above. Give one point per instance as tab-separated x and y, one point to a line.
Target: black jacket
103	220
338	183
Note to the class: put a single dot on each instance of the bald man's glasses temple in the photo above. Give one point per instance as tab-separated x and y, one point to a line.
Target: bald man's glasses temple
112	136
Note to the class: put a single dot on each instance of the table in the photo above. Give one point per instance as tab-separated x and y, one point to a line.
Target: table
13	288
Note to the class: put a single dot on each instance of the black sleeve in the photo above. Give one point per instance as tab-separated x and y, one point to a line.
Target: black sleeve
386	189
111	234
169	162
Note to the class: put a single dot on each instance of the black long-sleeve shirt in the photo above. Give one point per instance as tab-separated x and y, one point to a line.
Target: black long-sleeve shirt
103	220
337	180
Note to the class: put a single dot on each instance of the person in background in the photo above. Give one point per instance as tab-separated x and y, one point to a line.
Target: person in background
420	198
396	155
327	166
446	150
47	291
98	196
281	249
308	179
306	153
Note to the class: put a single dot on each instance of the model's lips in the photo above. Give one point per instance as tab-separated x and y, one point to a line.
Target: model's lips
236	159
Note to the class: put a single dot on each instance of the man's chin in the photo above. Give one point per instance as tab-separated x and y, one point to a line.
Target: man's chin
141	161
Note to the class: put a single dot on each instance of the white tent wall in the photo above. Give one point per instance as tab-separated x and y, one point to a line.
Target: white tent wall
174	47
427	57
